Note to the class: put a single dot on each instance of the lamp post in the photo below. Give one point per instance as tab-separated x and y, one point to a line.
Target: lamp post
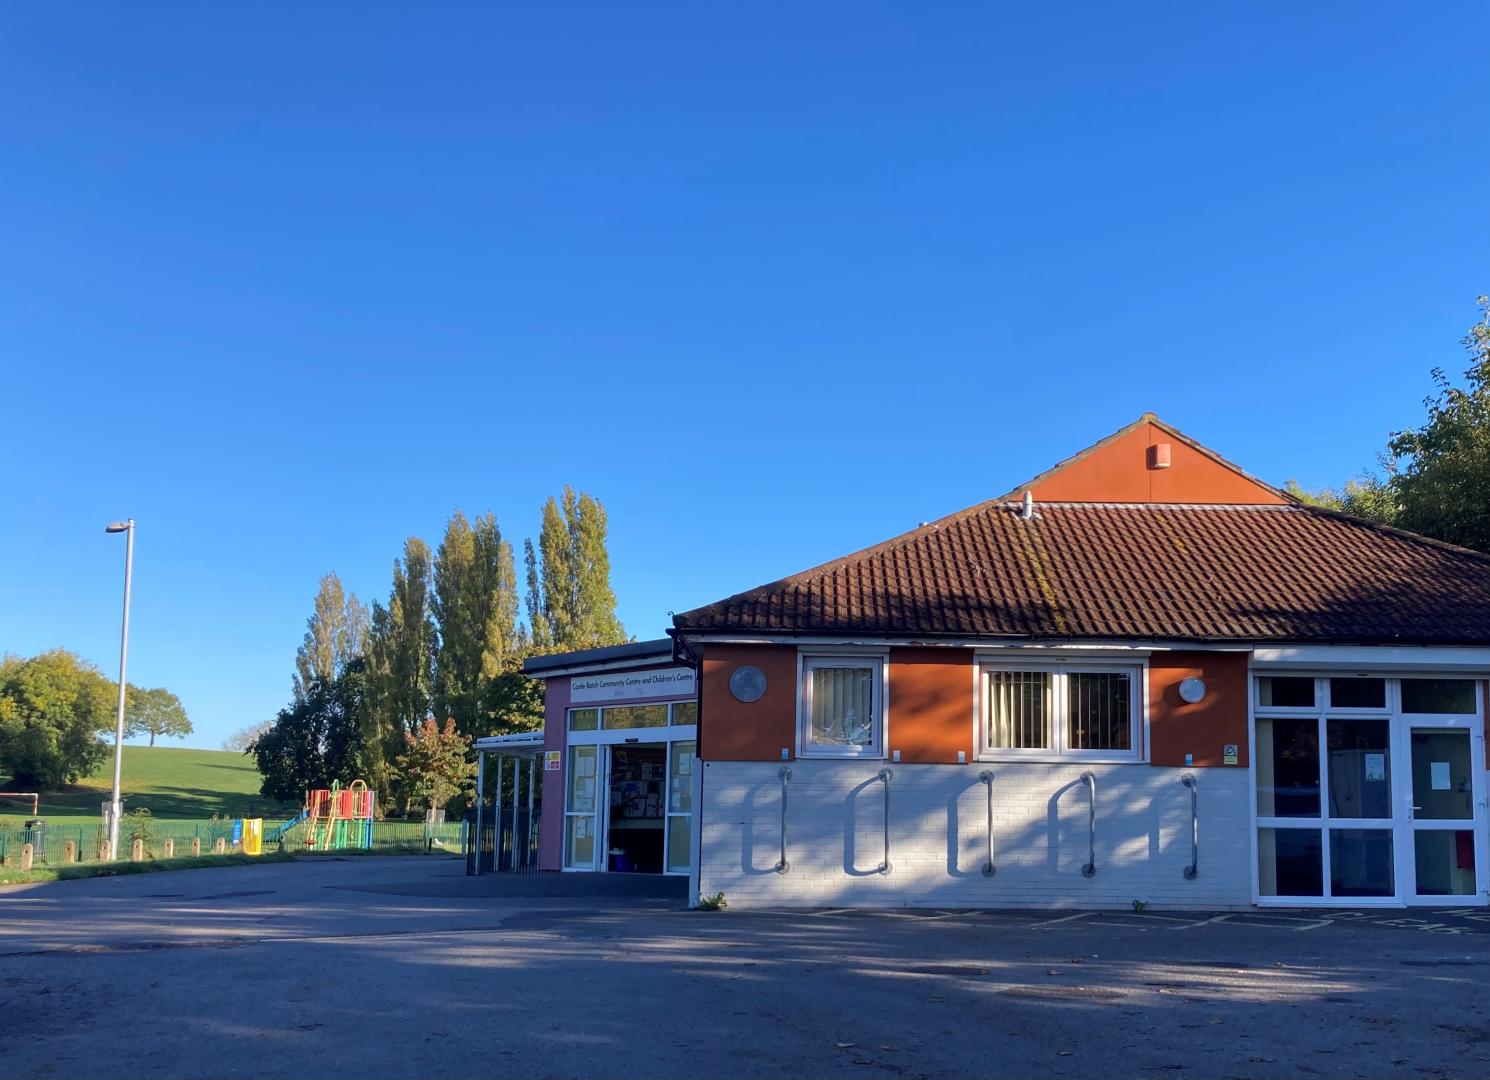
128	528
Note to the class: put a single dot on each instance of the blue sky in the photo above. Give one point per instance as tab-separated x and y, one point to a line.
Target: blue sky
288	283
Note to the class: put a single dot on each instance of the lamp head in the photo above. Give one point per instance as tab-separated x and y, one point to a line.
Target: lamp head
119	526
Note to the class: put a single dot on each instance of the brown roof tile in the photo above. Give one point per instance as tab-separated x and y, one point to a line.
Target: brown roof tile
1145	571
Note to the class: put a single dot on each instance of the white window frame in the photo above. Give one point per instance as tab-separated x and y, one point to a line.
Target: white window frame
875	661
1059	750
1401	824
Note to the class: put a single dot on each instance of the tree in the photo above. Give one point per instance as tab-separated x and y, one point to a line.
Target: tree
333	636
433	768
317	738
400	662
1437	477
155	712
1369	497
570	601
243	739
53	707
480	649
1440	472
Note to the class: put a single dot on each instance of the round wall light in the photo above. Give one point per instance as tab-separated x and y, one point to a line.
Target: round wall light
1192	690
748	683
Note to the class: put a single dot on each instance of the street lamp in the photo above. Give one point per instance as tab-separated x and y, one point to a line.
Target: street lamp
128	528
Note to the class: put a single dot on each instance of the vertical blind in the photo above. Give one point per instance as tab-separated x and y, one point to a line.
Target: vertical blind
843	706
1019	703
1098	710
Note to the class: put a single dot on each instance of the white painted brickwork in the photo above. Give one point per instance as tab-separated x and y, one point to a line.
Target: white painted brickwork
835	836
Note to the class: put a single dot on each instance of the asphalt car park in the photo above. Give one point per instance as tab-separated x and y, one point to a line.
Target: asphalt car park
404	967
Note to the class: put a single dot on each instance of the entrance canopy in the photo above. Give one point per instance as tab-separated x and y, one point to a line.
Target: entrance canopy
522	744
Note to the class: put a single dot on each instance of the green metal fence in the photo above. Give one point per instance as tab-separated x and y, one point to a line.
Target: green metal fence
50	841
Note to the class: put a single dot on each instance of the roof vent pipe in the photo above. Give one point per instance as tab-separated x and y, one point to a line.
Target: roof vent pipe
1028	513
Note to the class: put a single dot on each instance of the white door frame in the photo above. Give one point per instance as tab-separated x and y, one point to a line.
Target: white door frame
1402	824
1408	824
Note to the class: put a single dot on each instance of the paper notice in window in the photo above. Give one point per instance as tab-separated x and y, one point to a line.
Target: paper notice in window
1439	772
1376	766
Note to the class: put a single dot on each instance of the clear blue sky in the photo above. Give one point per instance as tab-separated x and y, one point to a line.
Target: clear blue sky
288	283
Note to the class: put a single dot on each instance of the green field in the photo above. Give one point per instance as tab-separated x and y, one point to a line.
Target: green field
170	782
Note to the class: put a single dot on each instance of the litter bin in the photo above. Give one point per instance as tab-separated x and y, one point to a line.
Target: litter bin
36	836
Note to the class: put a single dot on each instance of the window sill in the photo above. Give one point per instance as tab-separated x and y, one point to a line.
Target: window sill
840	755
997	758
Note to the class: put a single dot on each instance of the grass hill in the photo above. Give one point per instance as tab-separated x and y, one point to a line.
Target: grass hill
170	781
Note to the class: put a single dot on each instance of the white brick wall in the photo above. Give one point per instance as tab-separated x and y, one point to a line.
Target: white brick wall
938	839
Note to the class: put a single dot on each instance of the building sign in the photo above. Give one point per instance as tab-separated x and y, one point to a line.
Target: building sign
630	685
551	760
1229	754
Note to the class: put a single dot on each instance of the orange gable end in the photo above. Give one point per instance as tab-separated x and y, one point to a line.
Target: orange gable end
1124	469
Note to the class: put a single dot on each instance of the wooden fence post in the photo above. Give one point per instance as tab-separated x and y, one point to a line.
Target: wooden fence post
196	846
104	854
28	853
137	851
219	846
170	849
70	851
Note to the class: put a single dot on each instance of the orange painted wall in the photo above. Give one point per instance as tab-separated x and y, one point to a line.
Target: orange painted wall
931	705
731	730
1202	729
1119	472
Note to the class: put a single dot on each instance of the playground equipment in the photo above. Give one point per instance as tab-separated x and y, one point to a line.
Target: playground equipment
335	818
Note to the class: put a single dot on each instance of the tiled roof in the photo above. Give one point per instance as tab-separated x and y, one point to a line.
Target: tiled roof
1108	571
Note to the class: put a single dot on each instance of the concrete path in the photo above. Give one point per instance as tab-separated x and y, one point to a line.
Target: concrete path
374	967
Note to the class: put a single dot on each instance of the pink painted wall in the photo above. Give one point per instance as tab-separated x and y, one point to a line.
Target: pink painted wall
555	726
555	729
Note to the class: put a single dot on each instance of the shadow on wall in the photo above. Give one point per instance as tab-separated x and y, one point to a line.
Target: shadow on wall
1143	819
758	855
864	808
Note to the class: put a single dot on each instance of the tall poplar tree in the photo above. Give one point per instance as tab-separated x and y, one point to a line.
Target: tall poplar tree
401	647
333	636
571	604
480	650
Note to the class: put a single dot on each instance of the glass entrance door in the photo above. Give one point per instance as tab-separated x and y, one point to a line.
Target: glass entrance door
1443	814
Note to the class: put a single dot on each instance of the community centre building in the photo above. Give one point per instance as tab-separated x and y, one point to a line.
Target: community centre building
1142	675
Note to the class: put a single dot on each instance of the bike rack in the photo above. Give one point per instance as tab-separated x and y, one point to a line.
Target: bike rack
782	866
885	775
1090	869
987	777
1193	870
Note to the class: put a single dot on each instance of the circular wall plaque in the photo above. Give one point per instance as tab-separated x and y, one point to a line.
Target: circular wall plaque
1192	690
748	683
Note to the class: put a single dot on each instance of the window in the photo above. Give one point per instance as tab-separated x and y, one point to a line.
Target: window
1038	711
1363	787
1285	691
584	719
681	756
842	714
579	808
685	712
625	717
1358	693
1019	710
1438	696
